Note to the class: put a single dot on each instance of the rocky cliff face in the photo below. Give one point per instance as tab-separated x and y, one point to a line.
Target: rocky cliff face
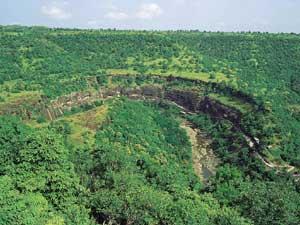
185	98
63	104
154	87
219	110
188	98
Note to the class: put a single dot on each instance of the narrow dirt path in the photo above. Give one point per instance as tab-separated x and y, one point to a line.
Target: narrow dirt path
279	168
203	159
271	165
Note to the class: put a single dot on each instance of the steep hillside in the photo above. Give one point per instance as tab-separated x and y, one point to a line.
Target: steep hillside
99	137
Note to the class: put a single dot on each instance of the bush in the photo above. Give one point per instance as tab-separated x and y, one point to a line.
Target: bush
41	119
212	76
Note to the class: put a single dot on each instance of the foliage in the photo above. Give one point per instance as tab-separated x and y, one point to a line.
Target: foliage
137	170
264	202
144	175
37	169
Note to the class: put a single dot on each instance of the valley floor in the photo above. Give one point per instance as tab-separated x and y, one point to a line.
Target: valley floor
204	160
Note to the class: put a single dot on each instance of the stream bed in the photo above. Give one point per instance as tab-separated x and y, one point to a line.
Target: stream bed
204	160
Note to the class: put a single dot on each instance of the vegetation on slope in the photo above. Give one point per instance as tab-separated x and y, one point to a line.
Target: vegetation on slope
143	172
137	168
38	181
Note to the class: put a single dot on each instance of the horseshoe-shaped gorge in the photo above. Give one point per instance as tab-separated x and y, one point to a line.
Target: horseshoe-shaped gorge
189	95
125	127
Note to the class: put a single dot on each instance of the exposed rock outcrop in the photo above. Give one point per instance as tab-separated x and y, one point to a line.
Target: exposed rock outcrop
203	158
190	99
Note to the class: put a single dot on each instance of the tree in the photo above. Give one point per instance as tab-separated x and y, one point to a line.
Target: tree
37	162
271	203
295	83
24	208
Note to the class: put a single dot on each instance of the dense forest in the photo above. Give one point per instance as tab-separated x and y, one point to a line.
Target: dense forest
91	127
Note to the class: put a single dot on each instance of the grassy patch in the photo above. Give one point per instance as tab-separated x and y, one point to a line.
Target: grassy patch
121	72
84	124
17	99
184	74
233	102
